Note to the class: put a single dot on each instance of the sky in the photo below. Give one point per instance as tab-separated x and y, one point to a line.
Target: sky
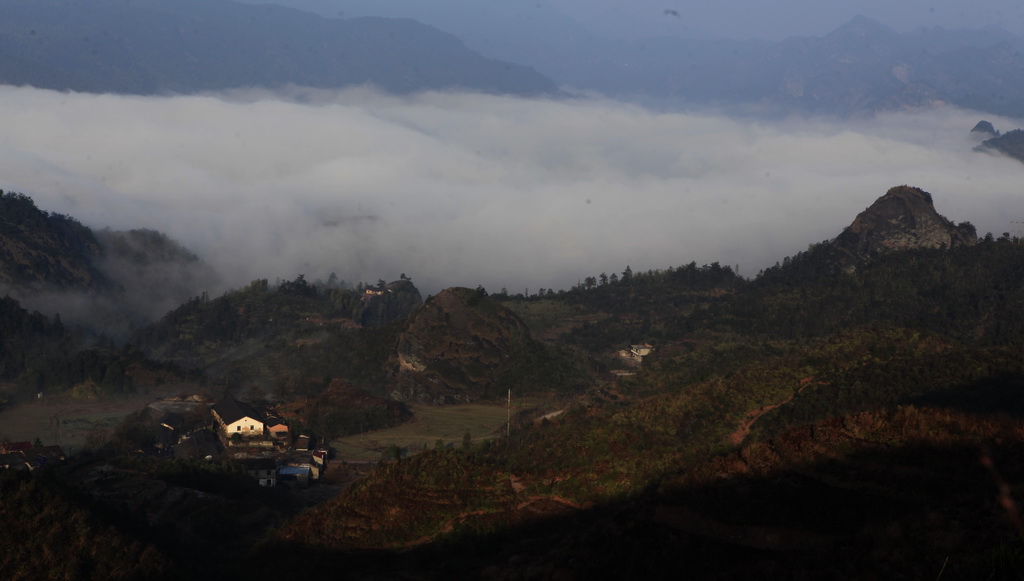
458	189
778	19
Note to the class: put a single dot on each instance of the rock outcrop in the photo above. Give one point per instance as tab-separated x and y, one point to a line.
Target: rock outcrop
904	218
985	128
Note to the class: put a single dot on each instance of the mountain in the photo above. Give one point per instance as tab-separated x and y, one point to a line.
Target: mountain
1010	143
164	46
530	33
159	46
904	218
984	128
859	68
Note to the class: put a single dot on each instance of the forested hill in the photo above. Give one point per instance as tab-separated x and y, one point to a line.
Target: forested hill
106	281
40	249
185	46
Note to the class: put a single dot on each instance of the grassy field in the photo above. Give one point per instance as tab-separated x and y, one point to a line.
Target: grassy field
449	423
67	422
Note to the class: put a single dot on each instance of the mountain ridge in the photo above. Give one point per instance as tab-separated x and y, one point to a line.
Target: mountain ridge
160	47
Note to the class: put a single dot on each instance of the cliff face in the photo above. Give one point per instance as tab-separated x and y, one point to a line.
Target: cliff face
453	347
904	218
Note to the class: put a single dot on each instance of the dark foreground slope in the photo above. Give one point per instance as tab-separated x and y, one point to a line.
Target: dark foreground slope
184	46
51	533
900	494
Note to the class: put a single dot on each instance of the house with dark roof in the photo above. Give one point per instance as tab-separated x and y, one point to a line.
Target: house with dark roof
197	445
237	417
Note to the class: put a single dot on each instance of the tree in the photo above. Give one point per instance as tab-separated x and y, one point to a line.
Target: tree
467	440
604	278
627	274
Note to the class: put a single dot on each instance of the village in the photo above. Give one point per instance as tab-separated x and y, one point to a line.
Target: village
192	427
261	440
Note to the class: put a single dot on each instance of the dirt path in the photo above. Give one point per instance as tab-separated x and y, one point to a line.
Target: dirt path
736	438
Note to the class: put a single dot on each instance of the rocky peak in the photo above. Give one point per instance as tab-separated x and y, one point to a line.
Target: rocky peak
985	128
904	218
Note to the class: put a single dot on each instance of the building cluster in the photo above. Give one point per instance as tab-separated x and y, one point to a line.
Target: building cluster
263	443
255	437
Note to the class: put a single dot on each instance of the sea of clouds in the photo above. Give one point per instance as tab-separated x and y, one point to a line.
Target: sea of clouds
458	189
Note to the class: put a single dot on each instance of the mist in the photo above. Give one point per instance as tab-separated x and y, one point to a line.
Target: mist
458	189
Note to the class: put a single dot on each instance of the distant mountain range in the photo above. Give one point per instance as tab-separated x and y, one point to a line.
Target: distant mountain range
861	67
183	46
158	46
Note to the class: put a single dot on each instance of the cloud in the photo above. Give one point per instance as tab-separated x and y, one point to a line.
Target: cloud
465	189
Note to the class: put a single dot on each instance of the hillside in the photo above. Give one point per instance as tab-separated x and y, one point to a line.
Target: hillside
906	493
160	47
105	281
463	346
40	250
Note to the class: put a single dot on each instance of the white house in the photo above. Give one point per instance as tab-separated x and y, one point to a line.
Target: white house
641	351
236	417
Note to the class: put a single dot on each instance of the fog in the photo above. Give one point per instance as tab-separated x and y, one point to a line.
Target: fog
465	189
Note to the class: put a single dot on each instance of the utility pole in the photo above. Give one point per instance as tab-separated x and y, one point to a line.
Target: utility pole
508	423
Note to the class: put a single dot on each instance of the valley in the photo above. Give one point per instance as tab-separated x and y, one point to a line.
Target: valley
453	290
